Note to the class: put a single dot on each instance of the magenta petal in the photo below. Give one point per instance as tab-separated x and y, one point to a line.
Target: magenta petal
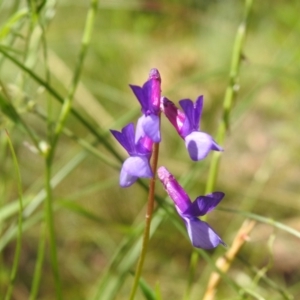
175	116
174	190
151	127
137	166
151	90
199	144
204	204
201	234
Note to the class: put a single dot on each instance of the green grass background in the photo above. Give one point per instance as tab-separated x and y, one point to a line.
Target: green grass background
191	44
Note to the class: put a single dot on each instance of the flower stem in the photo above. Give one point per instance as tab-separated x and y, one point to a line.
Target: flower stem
148	222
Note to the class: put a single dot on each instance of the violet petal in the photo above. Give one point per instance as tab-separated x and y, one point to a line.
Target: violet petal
201	234
126	137
140	95
204	204
188	108
126	179
137	166
199	144
198	111
151	127
139	131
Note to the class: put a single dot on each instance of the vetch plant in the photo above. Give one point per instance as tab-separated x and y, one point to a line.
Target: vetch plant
37	92
143	144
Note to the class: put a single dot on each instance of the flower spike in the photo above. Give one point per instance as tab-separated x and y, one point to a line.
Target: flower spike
198	143
200	233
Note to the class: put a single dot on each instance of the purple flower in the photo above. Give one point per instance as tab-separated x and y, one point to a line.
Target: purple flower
139	149
149	98
186	123
200	233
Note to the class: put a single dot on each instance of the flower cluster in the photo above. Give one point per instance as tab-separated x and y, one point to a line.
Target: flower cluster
139	143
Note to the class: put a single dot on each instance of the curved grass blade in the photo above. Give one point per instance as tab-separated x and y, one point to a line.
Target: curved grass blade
20	222
147	291
262	219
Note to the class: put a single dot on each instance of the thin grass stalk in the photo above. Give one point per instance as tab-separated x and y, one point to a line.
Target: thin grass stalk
51	230
65	110
230	94
149	213
67	104
224	262
43	233
39	263
20	223
262	219
192	271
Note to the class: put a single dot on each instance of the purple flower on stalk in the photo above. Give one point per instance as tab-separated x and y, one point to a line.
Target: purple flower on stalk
149	98
139	149
200	233
186	123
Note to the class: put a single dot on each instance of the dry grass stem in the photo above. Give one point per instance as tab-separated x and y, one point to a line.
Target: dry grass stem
224	262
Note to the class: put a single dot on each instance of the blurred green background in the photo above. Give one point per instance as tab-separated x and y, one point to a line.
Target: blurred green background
190	42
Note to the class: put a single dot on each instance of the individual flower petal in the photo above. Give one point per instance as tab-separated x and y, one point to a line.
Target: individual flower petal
140	95
126	138
151	126
138	166
192	112
126	179
201	234
134	167
199	144
152	86
174	190
204	204
174	115
139	132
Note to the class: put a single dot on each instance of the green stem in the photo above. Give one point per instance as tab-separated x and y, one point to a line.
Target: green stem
65	110
149	213
20	223
230	94
51	230
39	264
67	104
